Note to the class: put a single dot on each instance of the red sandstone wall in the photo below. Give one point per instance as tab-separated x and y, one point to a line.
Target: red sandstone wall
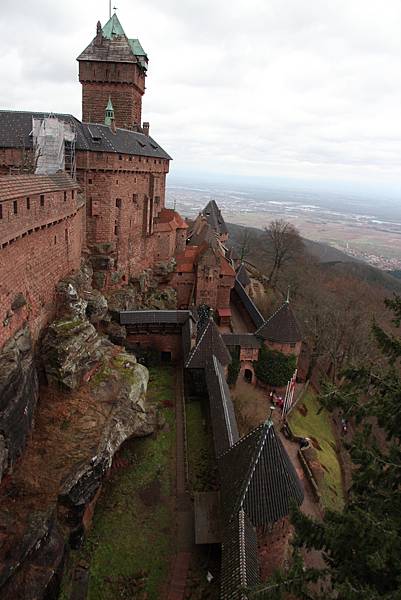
159	342
31	214
123	83
124	194
32	265
183	284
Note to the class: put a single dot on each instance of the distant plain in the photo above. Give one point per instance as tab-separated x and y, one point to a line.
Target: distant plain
365	227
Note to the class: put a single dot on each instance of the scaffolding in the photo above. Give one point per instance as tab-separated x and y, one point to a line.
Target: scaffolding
54	146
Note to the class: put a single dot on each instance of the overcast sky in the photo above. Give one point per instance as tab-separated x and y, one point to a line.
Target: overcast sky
287	88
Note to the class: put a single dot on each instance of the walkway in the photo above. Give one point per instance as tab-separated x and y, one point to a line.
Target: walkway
184	509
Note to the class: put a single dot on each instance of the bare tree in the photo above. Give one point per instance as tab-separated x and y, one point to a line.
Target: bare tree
284	244
245	245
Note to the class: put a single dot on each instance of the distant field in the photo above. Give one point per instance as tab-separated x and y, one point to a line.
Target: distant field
357	226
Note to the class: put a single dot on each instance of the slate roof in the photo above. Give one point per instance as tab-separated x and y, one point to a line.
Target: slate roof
222	415
16	129
244	340
242	275
281	327
258	476
209	343
214	217
239	561
249	304
134	317
15	186
112	45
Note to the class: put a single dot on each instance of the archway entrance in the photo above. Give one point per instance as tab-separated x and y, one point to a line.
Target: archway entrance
248	375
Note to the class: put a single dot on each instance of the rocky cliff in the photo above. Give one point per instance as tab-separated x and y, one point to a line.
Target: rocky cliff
19	393
94	401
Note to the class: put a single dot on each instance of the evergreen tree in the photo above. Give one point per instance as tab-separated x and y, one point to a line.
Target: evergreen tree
362	545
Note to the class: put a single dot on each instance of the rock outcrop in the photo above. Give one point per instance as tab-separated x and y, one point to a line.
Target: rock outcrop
33	567
71	348
19	391
130	417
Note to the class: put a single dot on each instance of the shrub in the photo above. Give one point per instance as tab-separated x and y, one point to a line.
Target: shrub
274	368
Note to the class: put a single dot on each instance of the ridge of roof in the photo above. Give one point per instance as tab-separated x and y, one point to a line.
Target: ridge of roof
16	130
201	354
281	327
258	476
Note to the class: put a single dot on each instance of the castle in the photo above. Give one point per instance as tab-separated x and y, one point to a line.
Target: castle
105	198
95	190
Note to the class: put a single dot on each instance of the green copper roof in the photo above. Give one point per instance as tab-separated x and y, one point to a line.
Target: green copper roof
110	105
112	28
137	48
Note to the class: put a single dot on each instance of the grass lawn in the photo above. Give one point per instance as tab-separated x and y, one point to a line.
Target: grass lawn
318	426
202	467
129	545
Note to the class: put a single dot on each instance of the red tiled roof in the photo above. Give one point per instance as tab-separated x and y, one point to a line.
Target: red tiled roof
169	220
15	186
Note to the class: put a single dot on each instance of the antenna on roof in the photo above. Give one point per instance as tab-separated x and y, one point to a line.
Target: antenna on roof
288	294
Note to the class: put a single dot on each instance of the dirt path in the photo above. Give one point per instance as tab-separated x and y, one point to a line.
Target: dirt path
184	510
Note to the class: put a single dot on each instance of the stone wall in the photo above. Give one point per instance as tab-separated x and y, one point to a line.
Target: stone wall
123	83
160	343
47	248
124	195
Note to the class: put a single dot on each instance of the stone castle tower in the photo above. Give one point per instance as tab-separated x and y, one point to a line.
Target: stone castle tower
113	67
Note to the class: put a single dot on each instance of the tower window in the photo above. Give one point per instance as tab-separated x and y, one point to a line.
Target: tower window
73	194
120	157
55	240
28	203
134	198
1	211
42	200
15	207
116	229
118	202
65	196
90	181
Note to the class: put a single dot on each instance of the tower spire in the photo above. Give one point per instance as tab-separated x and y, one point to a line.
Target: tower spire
109	9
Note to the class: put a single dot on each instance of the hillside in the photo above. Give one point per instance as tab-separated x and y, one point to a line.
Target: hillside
330	259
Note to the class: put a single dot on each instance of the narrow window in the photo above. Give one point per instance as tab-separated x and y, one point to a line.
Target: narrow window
42	200
90	181
116	229
55	240
1	211
118	202
134	198
65	196
28	203
120	157
15	207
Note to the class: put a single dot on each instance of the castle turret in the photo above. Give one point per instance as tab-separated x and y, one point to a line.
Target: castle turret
109	113
113	67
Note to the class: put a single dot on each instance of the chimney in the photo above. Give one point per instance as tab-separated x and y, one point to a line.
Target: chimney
145	128
99	34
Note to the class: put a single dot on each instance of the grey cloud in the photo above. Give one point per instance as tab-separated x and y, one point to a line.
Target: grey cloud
298	89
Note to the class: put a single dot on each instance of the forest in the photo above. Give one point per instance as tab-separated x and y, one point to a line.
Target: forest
350	314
